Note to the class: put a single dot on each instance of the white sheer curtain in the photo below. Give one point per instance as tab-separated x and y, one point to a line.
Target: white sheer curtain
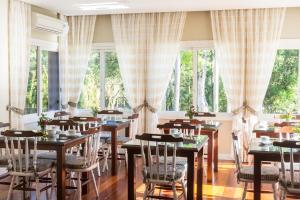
75	57
19	49
246	43
163	41
147	45
130	34
63	67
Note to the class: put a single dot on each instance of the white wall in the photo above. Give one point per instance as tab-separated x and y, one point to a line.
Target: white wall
4	80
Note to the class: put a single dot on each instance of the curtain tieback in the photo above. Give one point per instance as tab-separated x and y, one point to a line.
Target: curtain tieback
244	107
15	110
70	103
146	105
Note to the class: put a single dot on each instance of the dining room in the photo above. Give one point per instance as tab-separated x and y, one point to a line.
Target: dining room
139	99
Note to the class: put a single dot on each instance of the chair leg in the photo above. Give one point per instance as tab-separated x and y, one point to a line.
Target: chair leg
274	186
79	192
146	191
126	158
11	187
183	188
98	170
37	188
283	195
245	191
53	182
174	191
95	185
105	163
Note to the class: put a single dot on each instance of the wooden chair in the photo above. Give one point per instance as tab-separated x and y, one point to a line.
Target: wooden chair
157	168
86	162
245	173
3	157
186	129
290	169
64	125
24	164
88	123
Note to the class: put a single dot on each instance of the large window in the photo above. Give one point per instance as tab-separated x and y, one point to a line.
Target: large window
103	85
281	96
193	83
43	81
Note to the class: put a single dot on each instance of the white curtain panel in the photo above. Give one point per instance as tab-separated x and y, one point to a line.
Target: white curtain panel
246	43
80	39
130	35
147	45
63	66
163	42
19	49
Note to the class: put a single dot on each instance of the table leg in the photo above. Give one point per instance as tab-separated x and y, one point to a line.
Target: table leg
114	153
61	174
210	155
131	168
127	131
190	177
257	177
216	151
199	174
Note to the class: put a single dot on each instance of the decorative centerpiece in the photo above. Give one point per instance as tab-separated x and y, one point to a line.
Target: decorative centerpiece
43	118
191	112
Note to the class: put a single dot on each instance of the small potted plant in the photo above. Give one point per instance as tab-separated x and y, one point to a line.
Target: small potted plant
191	112
95	111
287	117
296	131
43	118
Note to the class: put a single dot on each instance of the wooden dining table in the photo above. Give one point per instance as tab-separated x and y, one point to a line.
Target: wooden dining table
186	149
262	153
59	145
210	129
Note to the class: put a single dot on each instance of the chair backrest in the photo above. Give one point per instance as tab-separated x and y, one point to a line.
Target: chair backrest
156	149
86	122
236	150
186	129
290	154
64	125
134	123
92	145
61	115
18	150
188	121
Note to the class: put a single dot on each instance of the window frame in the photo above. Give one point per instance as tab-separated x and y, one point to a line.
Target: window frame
40	45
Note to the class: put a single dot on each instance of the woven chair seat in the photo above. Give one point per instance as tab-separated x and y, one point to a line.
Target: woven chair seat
268	173
180	172
287	183
75	162
120	140
42	165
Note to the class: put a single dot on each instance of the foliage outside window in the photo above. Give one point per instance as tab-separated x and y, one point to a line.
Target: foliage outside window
31	97
281	96
204	83
90	94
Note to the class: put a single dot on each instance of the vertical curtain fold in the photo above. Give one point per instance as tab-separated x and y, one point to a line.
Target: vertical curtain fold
246	42
147	45
19	49
75	49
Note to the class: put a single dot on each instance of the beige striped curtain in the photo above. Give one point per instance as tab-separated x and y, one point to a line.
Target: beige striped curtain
147	45
19	50
246	43
75	58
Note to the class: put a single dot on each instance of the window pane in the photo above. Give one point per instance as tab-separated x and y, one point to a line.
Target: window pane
222	97
205	85
90	94
31	97
281	96
49	80
114	88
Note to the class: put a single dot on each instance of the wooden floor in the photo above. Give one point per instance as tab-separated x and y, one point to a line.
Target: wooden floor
225	186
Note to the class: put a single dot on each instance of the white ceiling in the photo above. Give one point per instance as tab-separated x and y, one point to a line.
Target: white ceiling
72	7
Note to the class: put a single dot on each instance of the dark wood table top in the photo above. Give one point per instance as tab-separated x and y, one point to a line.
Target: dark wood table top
191	145
256	147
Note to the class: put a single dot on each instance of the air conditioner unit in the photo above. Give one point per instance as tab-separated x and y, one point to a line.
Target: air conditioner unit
49	24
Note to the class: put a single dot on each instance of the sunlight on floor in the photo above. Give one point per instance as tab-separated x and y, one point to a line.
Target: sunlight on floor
222	191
